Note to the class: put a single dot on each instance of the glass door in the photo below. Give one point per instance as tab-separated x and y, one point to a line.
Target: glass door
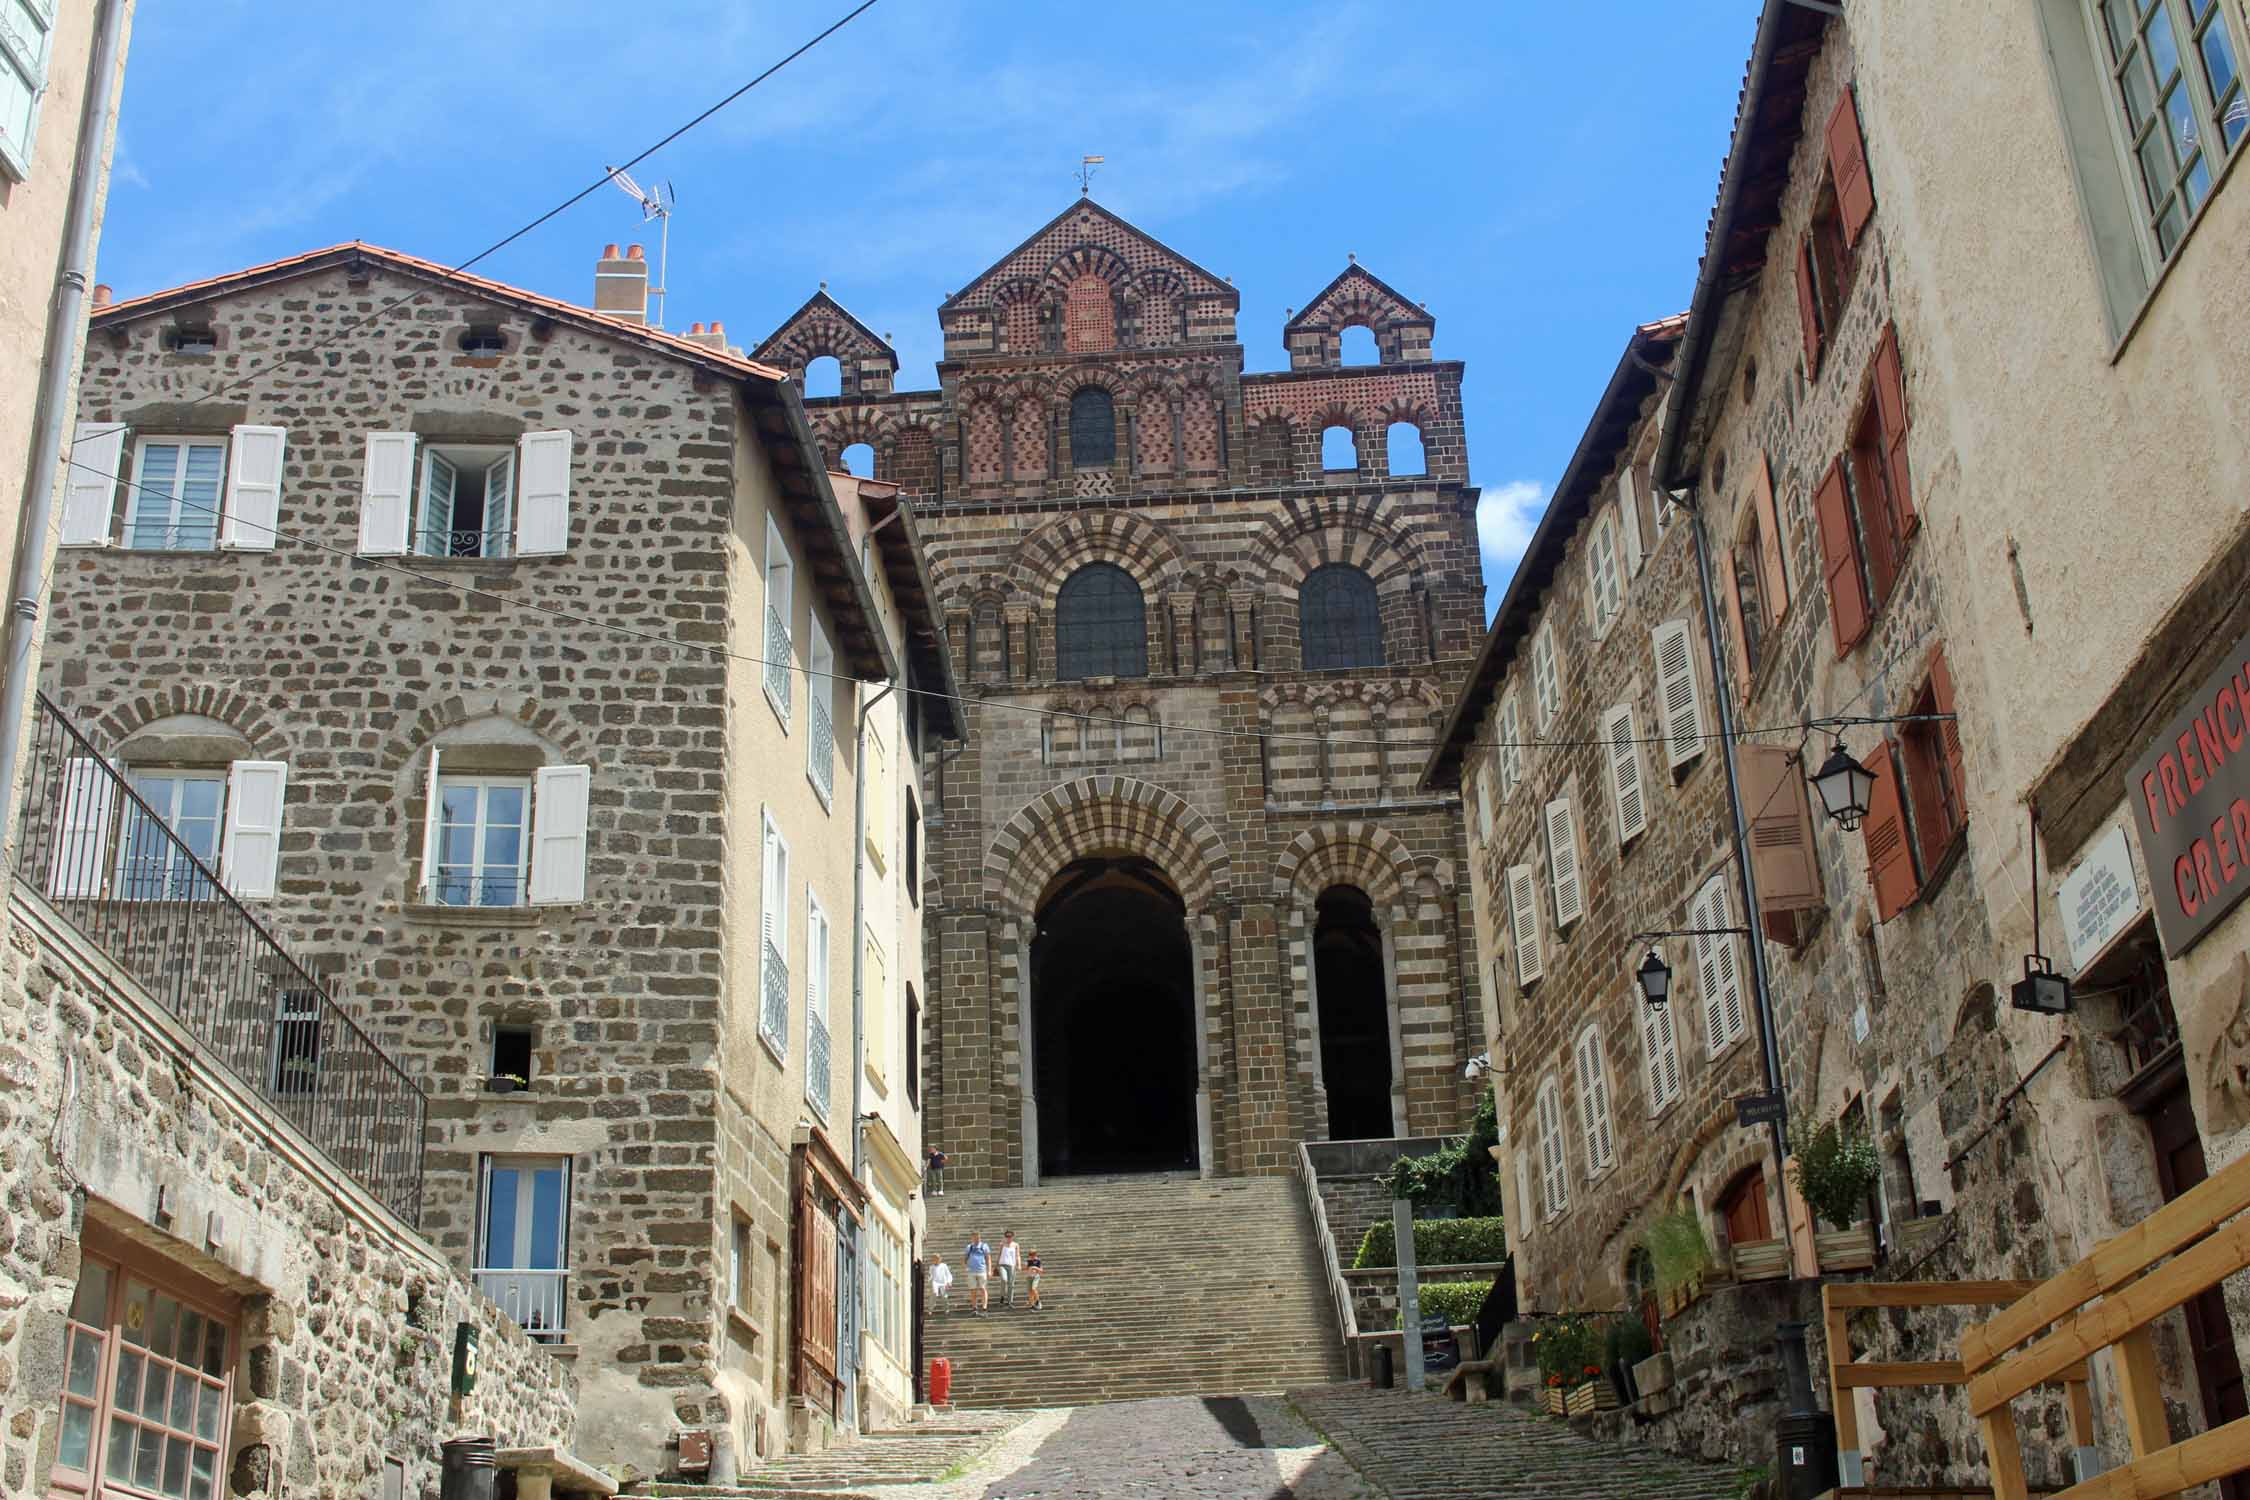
523	1244
147	1390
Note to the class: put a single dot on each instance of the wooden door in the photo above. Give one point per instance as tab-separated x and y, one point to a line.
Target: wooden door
1748	1219
2218	1371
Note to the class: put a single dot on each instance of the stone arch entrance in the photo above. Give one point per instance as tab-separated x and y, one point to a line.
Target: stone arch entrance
1352	979
1113	1021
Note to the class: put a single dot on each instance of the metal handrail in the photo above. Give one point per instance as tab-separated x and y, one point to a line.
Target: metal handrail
1339	1290
217	969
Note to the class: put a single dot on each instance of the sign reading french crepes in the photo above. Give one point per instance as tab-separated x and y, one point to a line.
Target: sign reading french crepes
2190	793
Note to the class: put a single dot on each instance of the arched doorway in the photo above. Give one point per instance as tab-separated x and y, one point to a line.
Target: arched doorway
1113	1017
1355	1015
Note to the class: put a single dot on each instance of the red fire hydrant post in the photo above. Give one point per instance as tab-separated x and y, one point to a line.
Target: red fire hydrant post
941	1380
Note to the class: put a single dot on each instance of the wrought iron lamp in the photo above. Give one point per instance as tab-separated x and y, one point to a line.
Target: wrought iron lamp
1655	976
2041	990
1845	786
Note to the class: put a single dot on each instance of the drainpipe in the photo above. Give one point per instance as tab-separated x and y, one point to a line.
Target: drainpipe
1769	1040
859	904
58	384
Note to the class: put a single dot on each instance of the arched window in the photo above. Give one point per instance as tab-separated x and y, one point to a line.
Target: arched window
1101	625
824	377
1358	346
1404	445
1339	448
1093	429
1340	618
859	459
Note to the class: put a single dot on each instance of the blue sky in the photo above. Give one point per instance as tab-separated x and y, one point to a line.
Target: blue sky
1542	185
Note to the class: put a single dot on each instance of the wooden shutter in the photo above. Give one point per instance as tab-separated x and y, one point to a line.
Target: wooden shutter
90	484
1738	659
1629	520
1847	163
82	829
1707	981
1890	862
1511	745
1676	691
432	814
1839	558
1949	734
1553	1164
1593	1101
1523	914
543	493
1562	862
1771	566
1727	951
250	851
1890	407
1782	851
1545	683
253	503
386	488
1602	589
500	498
559	798
1660	1040
1625	772
1808	305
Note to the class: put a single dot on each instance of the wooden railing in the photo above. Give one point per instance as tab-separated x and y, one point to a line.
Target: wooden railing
2107	1301
1339	1291
1847	1373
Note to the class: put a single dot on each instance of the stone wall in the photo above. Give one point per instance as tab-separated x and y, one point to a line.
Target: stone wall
118	1131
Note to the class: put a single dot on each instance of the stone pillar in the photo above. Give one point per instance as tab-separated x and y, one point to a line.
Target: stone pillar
1387	923
1019	1060
1187	642
1179	440
1242	627
1016	651
1302	930
1199	947
1261	1025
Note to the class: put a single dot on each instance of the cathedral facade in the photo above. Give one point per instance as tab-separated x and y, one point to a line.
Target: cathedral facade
1185	904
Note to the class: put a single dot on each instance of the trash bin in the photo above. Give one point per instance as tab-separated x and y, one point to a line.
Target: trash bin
466	1470
941	1380
1382	1367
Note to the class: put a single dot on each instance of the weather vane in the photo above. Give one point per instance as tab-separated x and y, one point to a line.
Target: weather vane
1085	173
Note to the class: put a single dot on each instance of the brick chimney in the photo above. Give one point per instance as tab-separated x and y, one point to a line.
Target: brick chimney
621	284
711	335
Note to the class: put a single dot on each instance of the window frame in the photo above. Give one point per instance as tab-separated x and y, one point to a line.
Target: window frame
1086	426
180	881
773	938
1349	604
1590	1061
525	1223
485	785
33	65
820	695
1554	1151
780	577
138	489
2128	140
1080	652
820	1061
418	529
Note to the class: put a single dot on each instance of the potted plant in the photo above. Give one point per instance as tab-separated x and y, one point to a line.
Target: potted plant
1835	1172
505	1083
1681	1256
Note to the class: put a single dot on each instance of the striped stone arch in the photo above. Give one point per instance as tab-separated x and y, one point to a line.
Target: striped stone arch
1058	549
1106	815
121	721
838	427
1358	854
1309	532
1088	260
412	739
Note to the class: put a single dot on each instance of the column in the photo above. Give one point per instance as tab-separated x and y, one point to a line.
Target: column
1018	1070
1388	923
1206	1079
1305	971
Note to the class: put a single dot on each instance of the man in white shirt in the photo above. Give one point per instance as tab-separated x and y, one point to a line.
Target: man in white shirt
941	1284
1010	1258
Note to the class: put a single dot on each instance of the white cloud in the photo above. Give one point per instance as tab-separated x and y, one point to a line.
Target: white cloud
1506	516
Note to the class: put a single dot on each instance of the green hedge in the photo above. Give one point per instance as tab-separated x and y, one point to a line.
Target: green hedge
1460	1301
1437	1242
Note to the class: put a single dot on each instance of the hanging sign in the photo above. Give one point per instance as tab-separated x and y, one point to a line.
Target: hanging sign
2190	793
2100	898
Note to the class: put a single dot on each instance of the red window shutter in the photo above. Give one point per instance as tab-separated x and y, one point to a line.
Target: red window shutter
1847	163
1941	699
1770	565
1738	660
1890	404
1839	560
1876	514
1782	851
1808	307
1890	863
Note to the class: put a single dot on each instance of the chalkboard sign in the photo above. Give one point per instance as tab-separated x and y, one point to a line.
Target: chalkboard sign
1439	1351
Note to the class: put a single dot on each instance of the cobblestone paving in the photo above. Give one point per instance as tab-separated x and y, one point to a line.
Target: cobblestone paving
1192	1448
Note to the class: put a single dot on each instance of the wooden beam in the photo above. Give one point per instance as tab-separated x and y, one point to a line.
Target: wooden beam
1925	1293
1838	1323
2201	1459
2005	1451
1870	1376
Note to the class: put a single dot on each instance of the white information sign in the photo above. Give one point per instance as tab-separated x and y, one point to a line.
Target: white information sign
2099	899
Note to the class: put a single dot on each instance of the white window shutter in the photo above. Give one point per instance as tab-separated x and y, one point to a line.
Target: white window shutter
543	493
1484	803
1589	1133
432	813
90	484
1602	593
1709	980
1605	1138
1511	745
816	959
1545	676
1523	909
1629	520
1731	1017
89	799
559	799
1562	862
386	491
250	852
1625	773
253	503
1660	1040
1677	693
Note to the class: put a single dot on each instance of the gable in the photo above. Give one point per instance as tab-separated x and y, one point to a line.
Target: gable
1359	297
823	327
1083	239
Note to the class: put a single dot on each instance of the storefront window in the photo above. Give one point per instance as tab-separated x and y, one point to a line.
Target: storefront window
146	1388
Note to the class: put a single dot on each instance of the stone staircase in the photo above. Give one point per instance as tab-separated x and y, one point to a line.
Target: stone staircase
920	1454
1162	1285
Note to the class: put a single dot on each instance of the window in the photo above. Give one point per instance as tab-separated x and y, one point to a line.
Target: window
780	665
820	744
229	820
913	1049
1562	863
484	851
513	1044
875	766
859	459
1554	1169
1101	624
875	973
886	1292
740	1261
1758	586
173	503
1823	263
1865	505
1593	1103
152	867
1629	800
1511	744
1604	587
773	906
1340	619
1660	1050
1629	522
1356	346
296	1044
483	338
913	848
1718	968
2178	92
467	499
819	1065
1484	803
523	1241
1523	916
147	1390
824	376
1402	445
189	338
1339	449
393	1482
1093	429
1546	676
1931	753
26	39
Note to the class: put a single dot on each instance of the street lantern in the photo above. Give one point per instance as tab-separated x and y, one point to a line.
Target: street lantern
1845	787
1655	976
2041	989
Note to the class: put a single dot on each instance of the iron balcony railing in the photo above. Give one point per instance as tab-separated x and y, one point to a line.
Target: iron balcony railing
817	1064
773	1017
439	542
777	658
534	1299
92	847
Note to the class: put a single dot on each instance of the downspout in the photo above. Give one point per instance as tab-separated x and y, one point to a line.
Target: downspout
57	384
1769	1044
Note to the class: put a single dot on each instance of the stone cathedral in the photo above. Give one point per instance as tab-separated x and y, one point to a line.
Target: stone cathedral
1187	903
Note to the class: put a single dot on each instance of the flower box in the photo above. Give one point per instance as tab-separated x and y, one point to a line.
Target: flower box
1850	1249
1762	1260
1918	1237
1551	1400
1592	1396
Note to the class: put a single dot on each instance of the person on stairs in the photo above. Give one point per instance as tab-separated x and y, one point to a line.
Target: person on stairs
935	1176
1031	1270
977	1261
941	1285
1011	1259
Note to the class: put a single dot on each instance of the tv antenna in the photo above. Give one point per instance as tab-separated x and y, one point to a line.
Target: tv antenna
1085	173
656	203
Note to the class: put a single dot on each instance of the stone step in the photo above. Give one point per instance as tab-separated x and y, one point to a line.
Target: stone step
918	1454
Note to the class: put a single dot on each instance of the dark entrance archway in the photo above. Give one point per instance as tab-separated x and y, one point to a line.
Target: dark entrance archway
1112	1021
1355	1015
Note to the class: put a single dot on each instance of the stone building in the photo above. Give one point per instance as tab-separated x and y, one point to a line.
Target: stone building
1189	906
505	659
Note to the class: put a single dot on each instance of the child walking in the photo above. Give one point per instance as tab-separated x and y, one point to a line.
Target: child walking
1031	1270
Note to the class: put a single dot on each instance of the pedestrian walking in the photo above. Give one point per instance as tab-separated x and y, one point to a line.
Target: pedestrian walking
977	1261
1031	1272
934	1178
941	1285
1011	1257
